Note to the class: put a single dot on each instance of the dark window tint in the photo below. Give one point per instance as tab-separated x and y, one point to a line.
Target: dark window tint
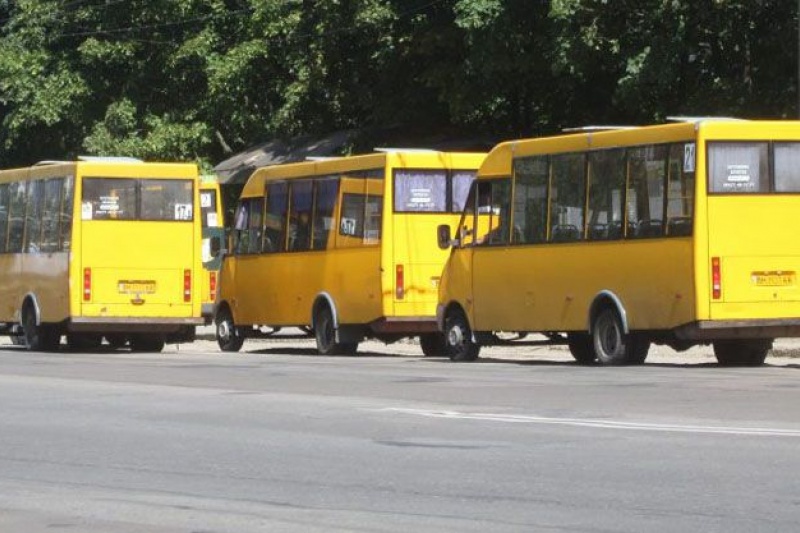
33	217
300	215
65	224
567	197
530	200
166	199
51	214
648	170
16	220
275	218
606	193
327	190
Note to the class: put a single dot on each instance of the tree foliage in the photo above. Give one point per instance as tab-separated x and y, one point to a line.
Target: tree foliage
200	79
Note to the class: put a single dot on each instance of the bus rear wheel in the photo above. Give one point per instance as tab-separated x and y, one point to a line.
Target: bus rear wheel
581	348
460	345
742	352
325	334
39	337
612	346
433	344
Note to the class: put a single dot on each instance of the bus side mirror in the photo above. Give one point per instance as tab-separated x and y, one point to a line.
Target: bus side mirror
443	236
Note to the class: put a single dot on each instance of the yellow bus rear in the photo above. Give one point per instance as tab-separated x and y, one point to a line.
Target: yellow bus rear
344	247
123	265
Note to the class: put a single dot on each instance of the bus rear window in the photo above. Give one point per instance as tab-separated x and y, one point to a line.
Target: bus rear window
431	190
787	167
136	199
738	167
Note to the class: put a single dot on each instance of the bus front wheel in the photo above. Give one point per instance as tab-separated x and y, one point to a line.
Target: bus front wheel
229	337
460	345
612	346
742	352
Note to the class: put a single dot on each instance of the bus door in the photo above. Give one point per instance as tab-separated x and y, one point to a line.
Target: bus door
493	283
358	250
137	255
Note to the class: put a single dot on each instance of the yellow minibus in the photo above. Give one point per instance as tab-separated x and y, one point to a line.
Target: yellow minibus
345	247
102	247
679	234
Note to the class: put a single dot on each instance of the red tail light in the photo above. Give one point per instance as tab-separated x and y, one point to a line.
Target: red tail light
212	285
399	283
716	279
187	285
87	284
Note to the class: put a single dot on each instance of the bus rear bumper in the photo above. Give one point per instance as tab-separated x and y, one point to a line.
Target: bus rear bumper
404	325
131	325
710	330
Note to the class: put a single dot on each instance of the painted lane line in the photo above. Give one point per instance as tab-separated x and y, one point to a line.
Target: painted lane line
595	423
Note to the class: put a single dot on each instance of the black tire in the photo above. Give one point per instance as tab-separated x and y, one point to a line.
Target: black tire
146	342
612	346
458	335
325	335
733	352
41	337
229	337
433	344
18	340
581	348
84	342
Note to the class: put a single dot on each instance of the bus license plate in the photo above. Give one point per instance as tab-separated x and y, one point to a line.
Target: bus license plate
773	279
136	287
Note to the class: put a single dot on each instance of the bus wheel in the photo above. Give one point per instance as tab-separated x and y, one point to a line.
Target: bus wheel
433	344
611	345
83	342
145	342
38	338
742	352
325	334
18	340
229	337
460	346
580	346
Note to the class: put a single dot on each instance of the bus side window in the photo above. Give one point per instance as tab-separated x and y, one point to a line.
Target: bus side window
327	190
275	218
16	214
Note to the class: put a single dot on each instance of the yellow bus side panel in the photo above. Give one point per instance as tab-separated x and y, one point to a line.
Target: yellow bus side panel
280	289
551	288
46	277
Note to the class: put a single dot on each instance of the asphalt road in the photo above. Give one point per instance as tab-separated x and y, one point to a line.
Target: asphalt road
278	439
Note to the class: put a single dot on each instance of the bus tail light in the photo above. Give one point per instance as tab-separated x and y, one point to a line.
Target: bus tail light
399	282
212	285
716	279
187	285
87	284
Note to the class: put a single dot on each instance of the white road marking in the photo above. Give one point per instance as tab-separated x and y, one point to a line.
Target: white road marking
596	423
